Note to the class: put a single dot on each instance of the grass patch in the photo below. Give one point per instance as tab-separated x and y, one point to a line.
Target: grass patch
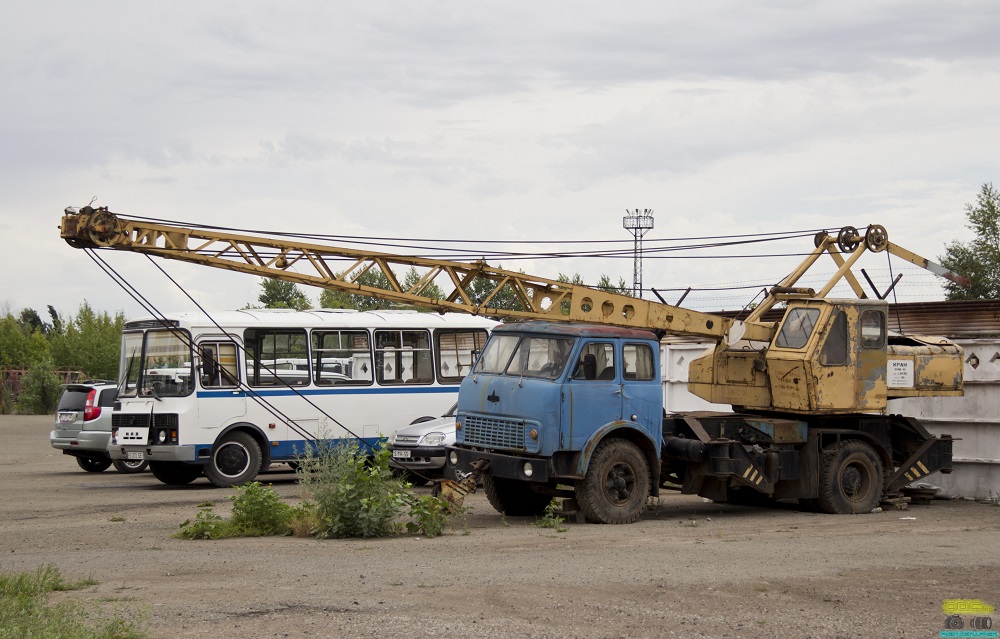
550	519
347	494
25	610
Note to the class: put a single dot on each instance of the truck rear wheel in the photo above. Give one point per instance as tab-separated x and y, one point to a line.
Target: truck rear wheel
235	460
850	479
514	498
616	485
174	473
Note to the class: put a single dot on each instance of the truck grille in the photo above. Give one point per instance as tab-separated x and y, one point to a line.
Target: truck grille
142	420
494	432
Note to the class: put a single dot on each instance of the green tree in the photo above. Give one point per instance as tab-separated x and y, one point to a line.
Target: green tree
20	346
89	342
277	293
331	298
40	389
979	260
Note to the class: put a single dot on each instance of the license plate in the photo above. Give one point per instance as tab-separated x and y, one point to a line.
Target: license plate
67	418
400	454
133	455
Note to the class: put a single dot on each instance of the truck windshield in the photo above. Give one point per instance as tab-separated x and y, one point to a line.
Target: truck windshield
540	357
527	356
155	363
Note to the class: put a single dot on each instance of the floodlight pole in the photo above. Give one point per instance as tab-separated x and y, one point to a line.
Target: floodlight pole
638	223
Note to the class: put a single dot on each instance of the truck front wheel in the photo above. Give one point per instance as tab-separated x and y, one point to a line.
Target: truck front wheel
514	498
616	485
174	473
850	479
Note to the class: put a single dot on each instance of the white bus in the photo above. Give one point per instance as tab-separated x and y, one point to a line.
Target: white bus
227	394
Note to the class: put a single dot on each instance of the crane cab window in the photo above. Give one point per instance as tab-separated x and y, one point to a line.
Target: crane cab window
872	329
834	351
797	328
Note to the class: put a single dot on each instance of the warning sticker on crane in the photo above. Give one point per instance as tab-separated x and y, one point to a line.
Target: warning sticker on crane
900	373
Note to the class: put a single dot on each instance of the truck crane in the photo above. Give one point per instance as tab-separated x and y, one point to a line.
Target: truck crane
566	399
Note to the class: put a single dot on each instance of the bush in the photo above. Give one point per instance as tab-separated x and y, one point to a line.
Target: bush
258	511
40	390
430	514
206	525
355	496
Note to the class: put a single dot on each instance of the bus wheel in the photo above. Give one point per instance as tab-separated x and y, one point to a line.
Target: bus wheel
850	479
514	498
616	485
94	464
235	460
174	473
129	466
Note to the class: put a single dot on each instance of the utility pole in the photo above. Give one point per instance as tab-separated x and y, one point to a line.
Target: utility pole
638	223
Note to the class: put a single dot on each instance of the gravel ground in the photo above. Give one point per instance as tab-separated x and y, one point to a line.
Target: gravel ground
687	569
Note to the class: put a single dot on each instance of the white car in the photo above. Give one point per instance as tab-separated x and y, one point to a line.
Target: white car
419	449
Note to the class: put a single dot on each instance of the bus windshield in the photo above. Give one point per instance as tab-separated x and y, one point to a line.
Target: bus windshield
155	363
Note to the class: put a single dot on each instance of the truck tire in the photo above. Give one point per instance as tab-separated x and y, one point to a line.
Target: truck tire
850	479
93	464
174	473
129	466
616	485
514	498
235	460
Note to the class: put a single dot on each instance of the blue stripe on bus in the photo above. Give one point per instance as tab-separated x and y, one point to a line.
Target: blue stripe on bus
394	390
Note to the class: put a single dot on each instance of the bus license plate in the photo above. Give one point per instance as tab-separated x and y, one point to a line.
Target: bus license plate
400	454
133	455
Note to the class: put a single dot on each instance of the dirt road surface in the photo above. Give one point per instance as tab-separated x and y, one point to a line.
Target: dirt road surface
687	569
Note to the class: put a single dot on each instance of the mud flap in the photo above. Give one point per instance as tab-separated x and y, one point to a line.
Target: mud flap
933	455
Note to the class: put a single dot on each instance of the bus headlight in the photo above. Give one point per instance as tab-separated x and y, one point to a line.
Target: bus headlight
161	437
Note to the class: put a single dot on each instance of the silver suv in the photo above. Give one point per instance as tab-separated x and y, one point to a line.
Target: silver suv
419	449
83	427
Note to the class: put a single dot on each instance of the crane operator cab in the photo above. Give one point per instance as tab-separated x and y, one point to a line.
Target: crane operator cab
828	356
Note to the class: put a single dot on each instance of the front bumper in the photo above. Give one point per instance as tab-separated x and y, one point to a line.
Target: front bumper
502	465
424	458
171	452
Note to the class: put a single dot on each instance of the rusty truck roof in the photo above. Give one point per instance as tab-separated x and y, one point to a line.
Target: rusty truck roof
576	330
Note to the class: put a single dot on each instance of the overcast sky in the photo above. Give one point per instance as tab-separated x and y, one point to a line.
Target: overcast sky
500	121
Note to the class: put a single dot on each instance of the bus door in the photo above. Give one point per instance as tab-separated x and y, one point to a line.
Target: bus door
221	401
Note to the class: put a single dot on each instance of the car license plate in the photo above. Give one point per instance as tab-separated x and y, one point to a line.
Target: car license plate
67	418
400	454
133	454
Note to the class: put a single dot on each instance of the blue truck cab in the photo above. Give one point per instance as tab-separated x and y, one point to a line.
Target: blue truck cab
555	404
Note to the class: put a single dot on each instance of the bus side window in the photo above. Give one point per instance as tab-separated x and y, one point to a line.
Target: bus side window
341	357
218	365
403	357
456	350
